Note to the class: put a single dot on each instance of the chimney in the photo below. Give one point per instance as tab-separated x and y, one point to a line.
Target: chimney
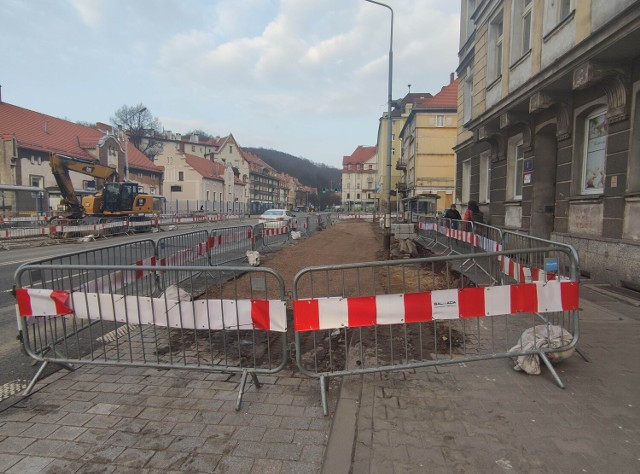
451	78
46	126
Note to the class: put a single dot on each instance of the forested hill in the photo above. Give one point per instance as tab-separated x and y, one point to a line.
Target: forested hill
308	173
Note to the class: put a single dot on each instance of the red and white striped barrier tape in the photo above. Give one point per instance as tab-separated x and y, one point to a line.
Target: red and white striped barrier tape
271	231
522	273
333	313
269	315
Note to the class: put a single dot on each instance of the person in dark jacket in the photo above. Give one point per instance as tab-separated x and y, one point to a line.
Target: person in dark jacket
452	213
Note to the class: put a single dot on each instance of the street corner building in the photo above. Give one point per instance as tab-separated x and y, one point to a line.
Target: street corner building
548	124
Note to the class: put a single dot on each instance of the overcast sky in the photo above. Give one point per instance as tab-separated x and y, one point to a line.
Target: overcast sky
306	77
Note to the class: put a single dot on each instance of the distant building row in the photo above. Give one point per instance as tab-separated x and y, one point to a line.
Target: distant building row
422	157
214	175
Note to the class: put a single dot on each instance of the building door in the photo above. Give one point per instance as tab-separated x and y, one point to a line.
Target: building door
542	173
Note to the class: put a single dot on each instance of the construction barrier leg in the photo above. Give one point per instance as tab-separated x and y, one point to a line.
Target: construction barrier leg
243	383
552	370
324	387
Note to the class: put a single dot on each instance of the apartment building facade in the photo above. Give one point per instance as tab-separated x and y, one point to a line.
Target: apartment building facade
548	124
359	180
399	113
428	138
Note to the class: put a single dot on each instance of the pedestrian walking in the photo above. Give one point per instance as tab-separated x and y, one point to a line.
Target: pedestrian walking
452	213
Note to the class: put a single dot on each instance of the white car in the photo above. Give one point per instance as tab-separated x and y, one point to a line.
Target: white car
278	218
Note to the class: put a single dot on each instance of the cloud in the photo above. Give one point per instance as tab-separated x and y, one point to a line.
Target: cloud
88	10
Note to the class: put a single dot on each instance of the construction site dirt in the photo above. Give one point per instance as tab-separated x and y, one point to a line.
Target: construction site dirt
347	243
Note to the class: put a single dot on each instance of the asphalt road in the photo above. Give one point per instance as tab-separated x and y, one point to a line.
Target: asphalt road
16	368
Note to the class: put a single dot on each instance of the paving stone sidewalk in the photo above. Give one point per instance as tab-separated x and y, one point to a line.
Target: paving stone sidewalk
484	417
111	419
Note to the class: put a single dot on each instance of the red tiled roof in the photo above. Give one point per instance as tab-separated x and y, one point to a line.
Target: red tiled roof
362	154
447	98
206	168
46	133
43	132
139	160
255	160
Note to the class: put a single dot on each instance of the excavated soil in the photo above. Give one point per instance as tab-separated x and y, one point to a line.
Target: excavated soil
344	243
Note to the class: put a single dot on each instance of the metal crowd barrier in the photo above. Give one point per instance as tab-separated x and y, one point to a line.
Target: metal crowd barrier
230	244
272	236
381	316
211	320
451	236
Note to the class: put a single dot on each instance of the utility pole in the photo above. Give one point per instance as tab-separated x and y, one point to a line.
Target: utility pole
387	216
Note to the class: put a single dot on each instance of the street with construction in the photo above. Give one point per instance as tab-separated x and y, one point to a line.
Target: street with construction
344	364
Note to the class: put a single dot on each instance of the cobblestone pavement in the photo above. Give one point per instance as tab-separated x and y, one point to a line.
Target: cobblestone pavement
484	417
112	419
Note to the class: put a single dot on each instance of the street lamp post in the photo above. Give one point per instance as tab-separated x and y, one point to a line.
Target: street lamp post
387	217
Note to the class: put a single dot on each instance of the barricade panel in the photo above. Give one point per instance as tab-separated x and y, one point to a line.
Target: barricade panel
392	315
208	318
188	249
230	244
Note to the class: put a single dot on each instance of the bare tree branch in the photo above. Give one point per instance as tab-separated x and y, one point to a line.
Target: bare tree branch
141	127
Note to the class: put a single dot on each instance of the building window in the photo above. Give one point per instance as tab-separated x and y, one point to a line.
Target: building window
348	196
180	175
521	33
594	154
36	181
370	167
176	189
633	167
467	105
466	180
495	48
518	169
439	120
485	174
565	7
350	167
471	6
89	185
526	26
193	148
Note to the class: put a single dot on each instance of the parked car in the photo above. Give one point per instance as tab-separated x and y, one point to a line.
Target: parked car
278	218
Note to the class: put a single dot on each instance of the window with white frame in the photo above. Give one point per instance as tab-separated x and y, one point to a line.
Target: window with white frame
521	29
594	152
36	181
466	180
526	26
439	120
471	6
633	167
565	7
485	173
495	47
518	171
467	105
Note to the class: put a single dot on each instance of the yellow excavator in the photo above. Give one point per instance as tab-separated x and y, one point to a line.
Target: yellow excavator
114	200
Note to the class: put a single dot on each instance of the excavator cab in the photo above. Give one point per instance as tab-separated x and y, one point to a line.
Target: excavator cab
119	197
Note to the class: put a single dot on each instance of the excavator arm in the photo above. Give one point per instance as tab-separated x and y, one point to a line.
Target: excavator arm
60	167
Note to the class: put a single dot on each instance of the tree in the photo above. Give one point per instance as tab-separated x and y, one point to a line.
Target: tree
140	126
